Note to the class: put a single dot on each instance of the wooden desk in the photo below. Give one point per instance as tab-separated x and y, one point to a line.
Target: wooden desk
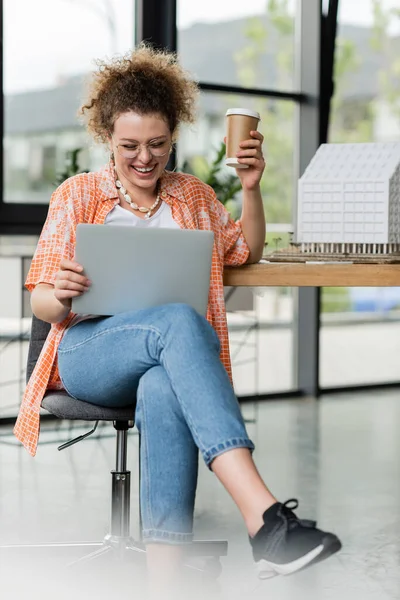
314	275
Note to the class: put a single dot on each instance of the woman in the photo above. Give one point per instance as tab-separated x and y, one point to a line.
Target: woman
174	361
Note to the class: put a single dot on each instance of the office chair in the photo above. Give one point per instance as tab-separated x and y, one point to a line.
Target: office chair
118	541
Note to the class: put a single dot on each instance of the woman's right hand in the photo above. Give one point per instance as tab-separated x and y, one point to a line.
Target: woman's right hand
70	282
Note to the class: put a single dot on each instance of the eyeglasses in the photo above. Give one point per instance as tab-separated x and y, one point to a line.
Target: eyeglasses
156	149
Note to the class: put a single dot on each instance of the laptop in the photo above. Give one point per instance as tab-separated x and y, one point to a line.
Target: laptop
133	268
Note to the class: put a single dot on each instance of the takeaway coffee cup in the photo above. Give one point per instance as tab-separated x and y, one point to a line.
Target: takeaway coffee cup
240	121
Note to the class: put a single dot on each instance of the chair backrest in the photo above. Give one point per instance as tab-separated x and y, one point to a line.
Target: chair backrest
39	332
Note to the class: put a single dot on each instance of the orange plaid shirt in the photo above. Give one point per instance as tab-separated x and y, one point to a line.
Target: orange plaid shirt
88	198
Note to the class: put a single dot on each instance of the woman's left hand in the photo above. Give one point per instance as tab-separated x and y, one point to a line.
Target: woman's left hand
251	154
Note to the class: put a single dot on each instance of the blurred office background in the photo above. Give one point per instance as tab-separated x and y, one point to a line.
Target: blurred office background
261	54
316	70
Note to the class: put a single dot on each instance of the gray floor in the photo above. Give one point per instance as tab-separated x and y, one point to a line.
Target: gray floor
340	457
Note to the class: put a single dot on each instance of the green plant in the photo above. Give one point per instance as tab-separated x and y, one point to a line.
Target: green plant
71	166
225	185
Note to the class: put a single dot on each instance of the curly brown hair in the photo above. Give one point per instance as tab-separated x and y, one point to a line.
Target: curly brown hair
146	81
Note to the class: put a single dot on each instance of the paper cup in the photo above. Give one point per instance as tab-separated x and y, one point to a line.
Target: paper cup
239	121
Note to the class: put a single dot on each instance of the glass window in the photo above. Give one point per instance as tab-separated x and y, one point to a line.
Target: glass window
200	144
14	320
252	42
262	342
261	328
361	326
44	71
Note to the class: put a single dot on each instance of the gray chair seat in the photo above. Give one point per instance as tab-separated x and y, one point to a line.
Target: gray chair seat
63	406
59	403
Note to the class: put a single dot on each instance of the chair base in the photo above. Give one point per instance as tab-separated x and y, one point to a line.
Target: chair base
118	543
122	549
117	547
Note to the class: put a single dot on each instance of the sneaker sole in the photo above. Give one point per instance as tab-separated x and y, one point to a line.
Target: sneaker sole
330	545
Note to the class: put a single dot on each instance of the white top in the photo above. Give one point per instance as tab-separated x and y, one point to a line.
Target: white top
161	218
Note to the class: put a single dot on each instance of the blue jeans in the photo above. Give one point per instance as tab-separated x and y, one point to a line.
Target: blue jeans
168	359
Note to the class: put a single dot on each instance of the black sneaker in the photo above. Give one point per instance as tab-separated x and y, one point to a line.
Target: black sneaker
286	544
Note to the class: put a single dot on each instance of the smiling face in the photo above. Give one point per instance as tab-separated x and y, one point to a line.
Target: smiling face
147	136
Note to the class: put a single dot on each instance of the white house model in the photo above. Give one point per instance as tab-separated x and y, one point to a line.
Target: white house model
349	199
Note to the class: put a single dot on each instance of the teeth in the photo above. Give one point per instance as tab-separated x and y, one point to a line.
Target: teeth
144	170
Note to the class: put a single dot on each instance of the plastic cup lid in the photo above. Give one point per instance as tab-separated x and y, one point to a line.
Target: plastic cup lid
243	111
